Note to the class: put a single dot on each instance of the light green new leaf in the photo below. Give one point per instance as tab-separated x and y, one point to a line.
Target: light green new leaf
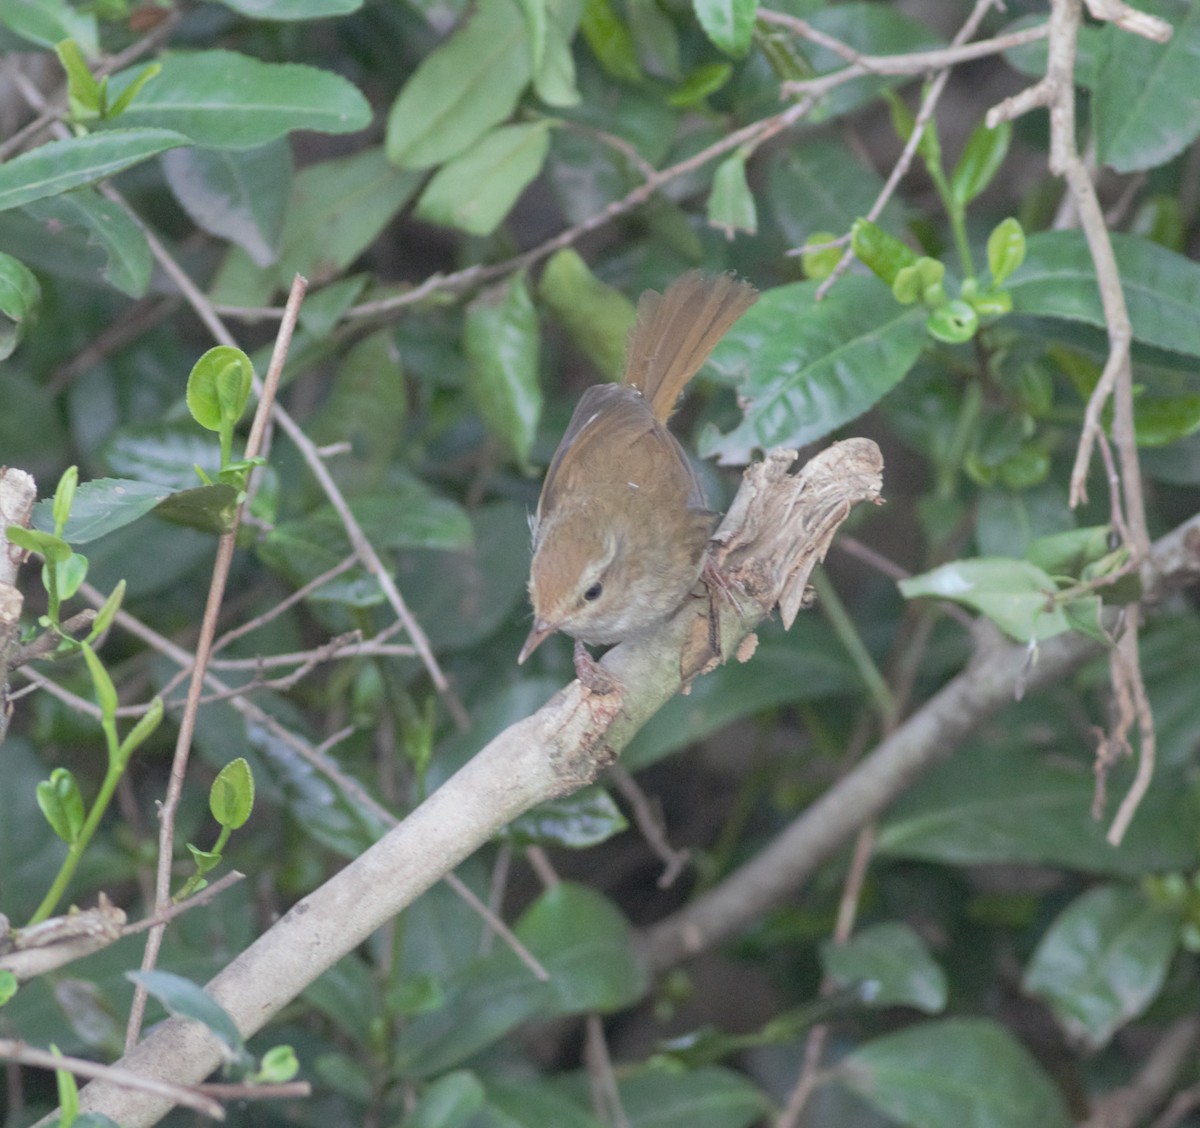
475	191
1015	594
231	101
240	195
1146	107
953	1073
501	343
59	166
463	88
108	226
728	23
1103	961
805	367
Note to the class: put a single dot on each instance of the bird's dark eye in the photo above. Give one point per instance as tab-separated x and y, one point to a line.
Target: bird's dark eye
594	592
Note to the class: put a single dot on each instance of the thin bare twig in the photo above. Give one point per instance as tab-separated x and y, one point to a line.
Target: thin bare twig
650	823
208	630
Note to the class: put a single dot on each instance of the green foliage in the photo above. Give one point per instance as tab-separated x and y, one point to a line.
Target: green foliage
492	187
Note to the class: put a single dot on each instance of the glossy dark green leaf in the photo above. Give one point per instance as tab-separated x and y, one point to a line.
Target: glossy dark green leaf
186	999
804	367
1003	803
1162	289
106	225
728	23
584	818
236	194
731	205
462	89
529	1103
1015	594
501	340
577	935
1103	961
20	295
1161	420
597	316
211	509
102	505
232	101
476	190
59	166
894	964
163	454
951	1073
449	1102
337	208
1146	108
709	1097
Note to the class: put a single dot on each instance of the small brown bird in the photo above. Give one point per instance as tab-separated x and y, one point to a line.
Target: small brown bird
621	525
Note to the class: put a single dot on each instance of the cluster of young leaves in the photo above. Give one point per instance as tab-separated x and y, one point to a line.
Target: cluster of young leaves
524	114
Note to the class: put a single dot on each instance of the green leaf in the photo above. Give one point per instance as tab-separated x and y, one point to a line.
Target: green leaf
206	861
954	323
279	1065
1015	594
803	367
223	366
533	1103
449	1102
107	225
51	548
232	101
501	341
597	316
894	959
102	505
231	797
1005	250
61	802
981	159
731	205
121	103
1146	108
952	1073
709	1097
48	22
59	166
1103	961
64	498
610	40
102	683
185	999
1004	804
84	94
20	296
240	195
211	509
462	89
1160	420
1068	553
704	80
8	985
577	821
145	728
290	10
477	189
68	1095
880	251
577	935
1162	289
71	573
728	23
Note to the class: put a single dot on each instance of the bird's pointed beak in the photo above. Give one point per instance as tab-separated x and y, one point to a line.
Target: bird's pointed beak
541	630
